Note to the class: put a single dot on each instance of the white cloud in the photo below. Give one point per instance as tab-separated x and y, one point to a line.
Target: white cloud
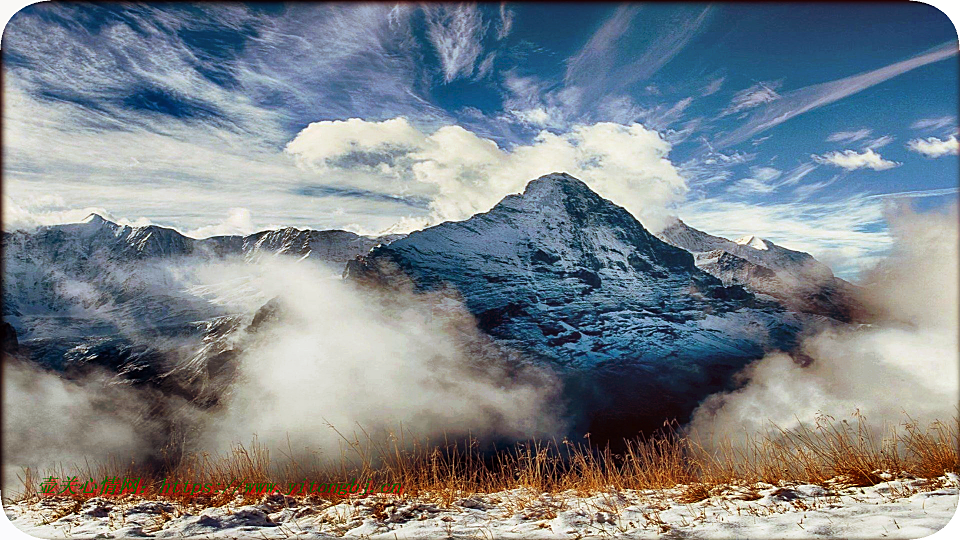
852	160
712	87
934	147
462	173
320	142
798	173
505	25
760	181
486	67
811	97
456	33
712	167
526	94
879	142
238	222
30	212
661	117
756	95
538	116
935	123
219	149
849	136
916	194
598	68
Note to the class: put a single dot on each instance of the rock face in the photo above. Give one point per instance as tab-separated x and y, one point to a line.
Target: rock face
794	278
574	281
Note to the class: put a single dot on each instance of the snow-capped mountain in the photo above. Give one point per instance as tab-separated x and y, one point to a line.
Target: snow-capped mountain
794	278
57	268
639	329
122	297
577	282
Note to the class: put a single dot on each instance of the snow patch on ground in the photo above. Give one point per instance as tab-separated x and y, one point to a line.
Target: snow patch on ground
903	508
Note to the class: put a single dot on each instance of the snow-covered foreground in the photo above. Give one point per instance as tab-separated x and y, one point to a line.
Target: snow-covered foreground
909	508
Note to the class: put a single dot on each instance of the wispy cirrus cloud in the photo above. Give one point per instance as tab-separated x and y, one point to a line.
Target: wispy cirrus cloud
456	33
766	179
805	99
935	123
505	24
756	95
933	147
598	68
760	181
852	160
145	113
879	142
712	87
849	136
712	167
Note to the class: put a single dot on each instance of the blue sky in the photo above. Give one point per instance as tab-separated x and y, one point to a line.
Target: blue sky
800	123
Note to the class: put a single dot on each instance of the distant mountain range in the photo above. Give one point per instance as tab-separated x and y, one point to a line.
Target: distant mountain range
641	327
794	278
60	268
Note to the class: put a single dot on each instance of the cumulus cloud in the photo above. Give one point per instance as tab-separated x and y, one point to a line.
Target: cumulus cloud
851	160
462	173
238	222
934	147
905	362
321	143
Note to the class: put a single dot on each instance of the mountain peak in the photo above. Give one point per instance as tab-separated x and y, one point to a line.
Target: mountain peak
557	178
561	197
96	219
753	241
556	182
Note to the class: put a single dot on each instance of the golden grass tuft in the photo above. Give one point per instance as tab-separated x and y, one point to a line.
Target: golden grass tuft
830	451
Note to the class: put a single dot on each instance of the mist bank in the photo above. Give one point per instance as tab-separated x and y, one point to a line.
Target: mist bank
304	359
902	366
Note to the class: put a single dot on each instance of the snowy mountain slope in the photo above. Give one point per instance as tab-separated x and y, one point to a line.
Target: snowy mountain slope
575	281
794	278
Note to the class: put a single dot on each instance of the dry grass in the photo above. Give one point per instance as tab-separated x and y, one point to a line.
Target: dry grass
831	451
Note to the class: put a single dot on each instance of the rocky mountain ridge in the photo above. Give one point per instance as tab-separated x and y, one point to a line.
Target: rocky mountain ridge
794	278
576	282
